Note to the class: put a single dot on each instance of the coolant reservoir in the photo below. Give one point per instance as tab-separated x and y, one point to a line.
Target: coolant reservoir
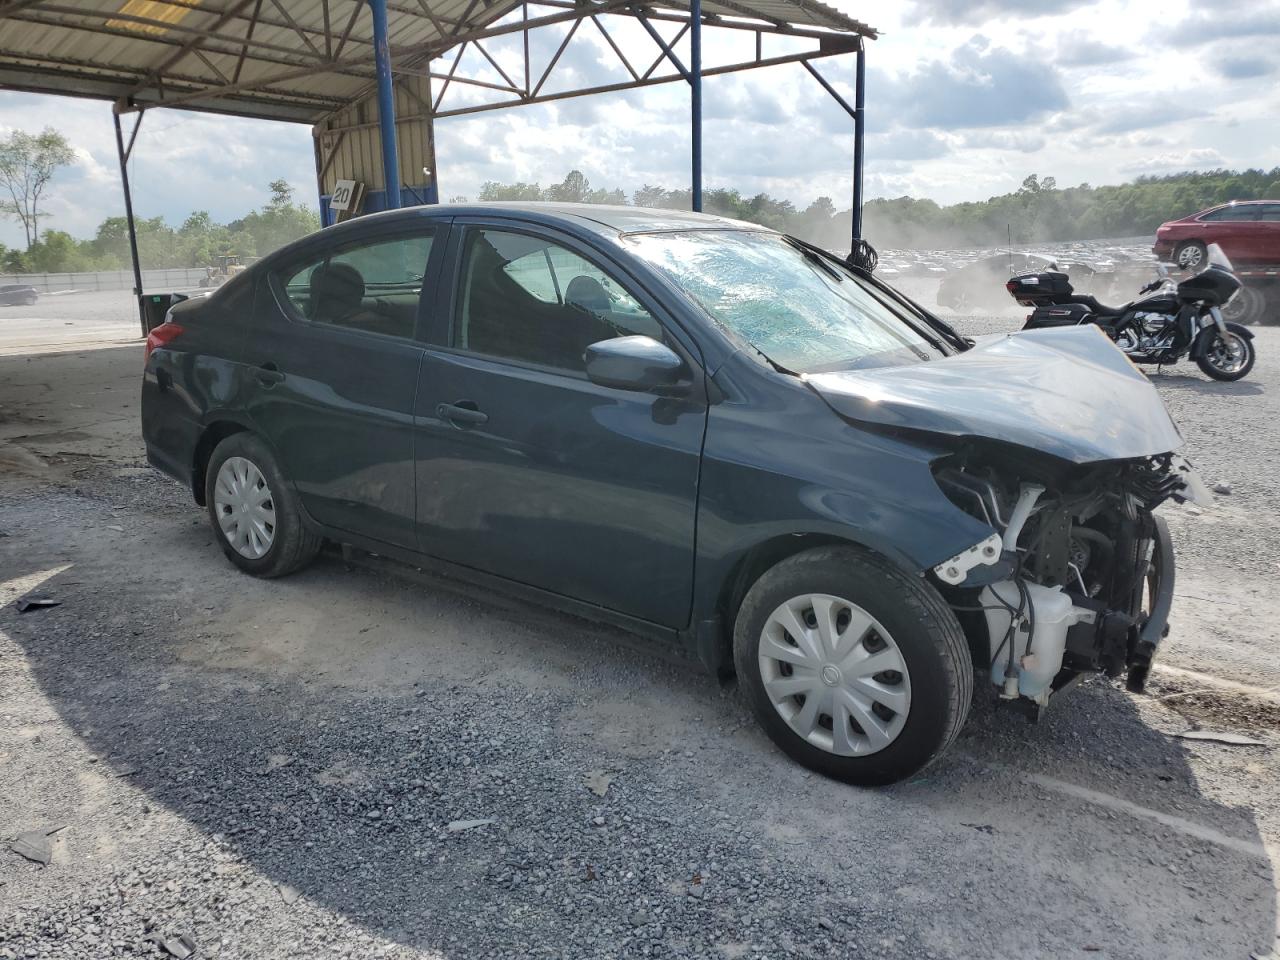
1054	614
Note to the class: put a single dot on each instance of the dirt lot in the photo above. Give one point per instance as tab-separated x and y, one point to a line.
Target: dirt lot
365	762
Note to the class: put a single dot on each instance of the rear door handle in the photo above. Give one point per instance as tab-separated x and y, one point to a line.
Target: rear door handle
269	374
464	412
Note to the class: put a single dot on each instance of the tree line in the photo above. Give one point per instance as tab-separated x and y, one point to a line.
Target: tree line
1038	211
196	243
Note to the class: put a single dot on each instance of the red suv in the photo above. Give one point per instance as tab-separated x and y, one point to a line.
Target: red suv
1248	231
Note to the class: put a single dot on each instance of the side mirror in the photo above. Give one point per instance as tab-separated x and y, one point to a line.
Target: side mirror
633	363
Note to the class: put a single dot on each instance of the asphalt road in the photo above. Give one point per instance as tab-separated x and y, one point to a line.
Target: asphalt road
362	762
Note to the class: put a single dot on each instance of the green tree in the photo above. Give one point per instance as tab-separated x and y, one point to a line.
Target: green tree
513	191
573	189
27	164
57	252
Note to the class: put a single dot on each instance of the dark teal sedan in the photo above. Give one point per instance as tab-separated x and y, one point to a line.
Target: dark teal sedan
702	430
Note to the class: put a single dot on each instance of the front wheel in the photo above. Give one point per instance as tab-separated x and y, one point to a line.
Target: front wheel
853	668
1191	255
253	510
1230	357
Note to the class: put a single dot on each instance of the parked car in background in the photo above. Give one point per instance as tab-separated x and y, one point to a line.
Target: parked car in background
702	430
1248	231
18	294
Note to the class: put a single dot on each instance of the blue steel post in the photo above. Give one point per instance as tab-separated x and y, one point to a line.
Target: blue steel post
695	82
386	103
859	109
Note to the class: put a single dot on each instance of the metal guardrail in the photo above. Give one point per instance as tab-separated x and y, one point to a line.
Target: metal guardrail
178	278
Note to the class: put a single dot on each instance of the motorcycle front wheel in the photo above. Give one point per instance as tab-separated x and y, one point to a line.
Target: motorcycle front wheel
1228	358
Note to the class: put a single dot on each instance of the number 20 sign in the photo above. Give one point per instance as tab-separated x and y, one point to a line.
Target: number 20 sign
342	193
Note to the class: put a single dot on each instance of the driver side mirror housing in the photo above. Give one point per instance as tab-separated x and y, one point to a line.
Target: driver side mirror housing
634	363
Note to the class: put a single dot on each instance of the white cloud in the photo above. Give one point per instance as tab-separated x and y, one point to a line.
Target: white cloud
950	115
1201	158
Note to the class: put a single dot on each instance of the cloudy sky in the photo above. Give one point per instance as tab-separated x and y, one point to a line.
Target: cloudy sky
964	98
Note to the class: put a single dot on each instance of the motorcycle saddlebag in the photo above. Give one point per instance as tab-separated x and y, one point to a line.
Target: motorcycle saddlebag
1038	289
1057	315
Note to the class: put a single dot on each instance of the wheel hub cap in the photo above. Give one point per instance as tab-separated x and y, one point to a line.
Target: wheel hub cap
835	675
245	508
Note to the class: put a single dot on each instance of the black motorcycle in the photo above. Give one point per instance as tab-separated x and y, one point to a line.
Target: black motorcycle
1174	319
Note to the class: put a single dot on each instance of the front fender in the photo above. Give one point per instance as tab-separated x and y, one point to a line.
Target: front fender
784	465
1205	337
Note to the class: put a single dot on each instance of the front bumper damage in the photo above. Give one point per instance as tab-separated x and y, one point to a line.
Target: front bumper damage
1072	580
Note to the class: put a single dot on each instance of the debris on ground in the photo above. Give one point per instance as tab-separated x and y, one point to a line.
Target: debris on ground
35	845
181	946
1222	487
288	894
597	781
457	826
36	602
1221	736
276	761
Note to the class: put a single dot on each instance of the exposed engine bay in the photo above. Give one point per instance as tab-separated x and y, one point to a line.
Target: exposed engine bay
1077	576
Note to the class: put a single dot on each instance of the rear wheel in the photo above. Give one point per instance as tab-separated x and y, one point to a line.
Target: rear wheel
1191	255
253	510
1247	306
1228	358
853	668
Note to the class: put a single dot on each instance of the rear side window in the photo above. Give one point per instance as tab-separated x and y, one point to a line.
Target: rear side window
1232	214
370	285
1270	212
526	298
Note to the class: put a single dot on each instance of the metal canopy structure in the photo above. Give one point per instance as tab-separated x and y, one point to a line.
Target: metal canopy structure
372	76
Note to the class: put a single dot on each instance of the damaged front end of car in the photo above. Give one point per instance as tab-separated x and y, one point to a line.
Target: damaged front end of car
1077	578
1064	450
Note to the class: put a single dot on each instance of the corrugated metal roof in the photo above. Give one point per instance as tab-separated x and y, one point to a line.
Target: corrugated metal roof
285	59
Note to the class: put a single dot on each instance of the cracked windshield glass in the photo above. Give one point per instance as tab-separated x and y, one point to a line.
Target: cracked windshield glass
800	310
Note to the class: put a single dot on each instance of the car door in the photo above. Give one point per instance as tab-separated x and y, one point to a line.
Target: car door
1234	229
527	469
333	358
1269	229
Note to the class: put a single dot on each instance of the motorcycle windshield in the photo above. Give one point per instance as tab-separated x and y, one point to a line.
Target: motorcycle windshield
1217	258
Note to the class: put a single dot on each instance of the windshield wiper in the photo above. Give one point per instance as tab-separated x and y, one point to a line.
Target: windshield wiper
815	257
943	328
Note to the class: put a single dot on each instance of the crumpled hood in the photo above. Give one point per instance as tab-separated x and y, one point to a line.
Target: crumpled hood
1067	392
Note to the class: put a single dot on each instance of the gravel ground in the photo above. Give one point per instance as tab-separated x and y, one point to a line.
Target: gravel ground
361	761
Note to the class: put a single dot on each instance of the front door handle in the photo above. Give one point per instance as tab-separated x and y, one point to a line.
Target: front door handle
462	413
269	374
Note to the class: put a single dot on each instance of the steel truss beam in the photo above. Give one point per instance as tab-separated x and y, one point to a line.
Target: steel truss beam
590	91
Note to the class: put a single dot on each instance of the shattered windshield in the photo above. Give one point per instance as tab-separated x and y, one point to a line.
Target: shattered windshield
801	311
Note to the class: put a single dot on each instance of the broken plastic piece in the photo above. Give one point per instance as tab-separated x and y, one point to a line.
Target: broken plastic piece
457	826
34	602
1221	736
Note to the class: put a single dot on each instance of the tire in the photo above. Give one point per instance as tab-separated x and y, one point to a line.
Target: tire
1191	255
1211	361
917	626
1247	306
236	496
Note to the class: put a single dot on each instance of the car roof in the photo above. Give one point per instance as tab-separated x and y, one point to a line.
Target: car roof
599	218
1237	203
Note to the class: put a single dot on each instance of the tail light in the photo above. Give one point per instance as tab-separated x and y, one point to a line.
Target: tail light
161	336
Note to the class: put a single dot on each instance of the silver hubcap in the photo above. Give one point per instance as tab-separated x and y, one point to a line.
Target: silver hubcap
1190	257
834	675
1229	354
244	506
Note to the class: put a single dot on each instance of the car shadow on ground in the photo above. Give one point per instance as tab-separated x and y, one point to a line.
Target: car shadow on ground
328	729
